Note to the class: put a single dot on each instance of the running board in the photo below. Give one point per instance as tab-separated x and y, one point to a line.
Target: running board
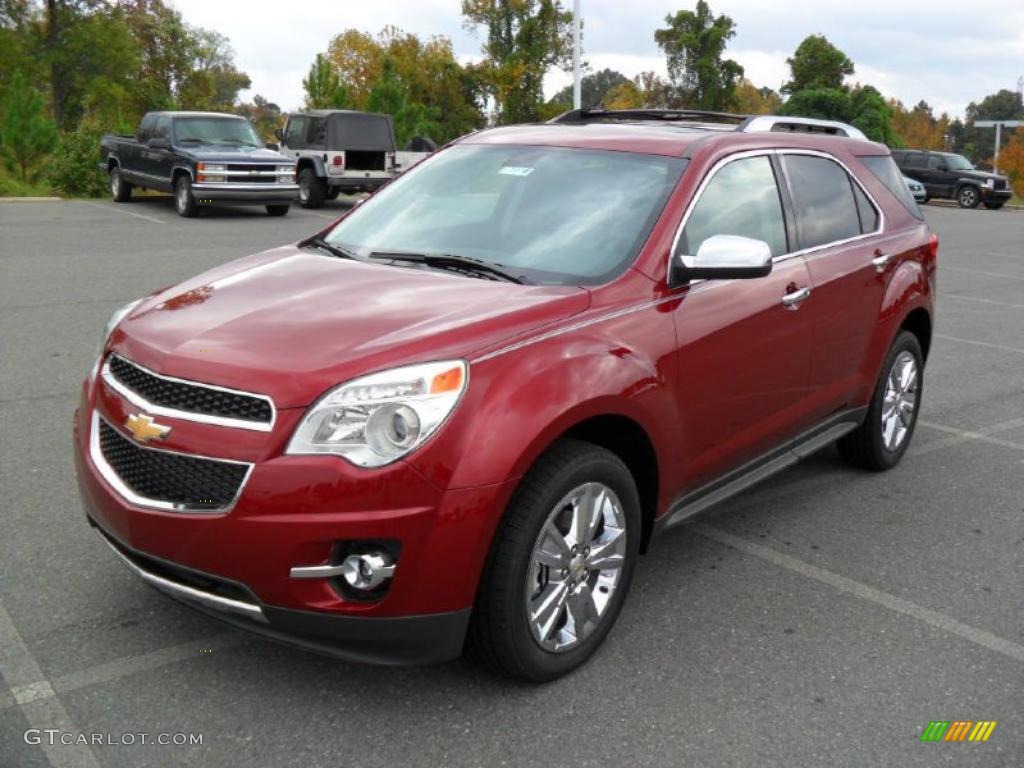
753	472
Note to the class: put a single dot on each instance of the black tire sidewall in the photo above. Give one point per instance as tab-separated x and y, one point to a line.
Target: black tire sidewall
190	206
904	342
314	189
535	662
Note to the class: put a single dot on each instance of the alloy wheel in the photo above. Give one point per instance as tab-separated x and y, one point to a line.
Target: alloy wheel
182	197
967	198
575	567
900	401
115	182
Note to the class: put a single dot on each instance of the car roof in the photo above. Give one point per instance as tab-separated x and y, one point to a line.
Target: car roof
175	113
670	139
329	112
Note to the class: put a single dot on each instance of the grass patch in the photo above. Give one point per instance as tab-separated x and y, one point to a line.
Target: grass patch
13	186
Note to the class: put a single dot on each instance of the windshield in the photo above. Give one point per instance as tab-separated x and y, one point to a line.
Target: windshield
958	163
565	216
216	130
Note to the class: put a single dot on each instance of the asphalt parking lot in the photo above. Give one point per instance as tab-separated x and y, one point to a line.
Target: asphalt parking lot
823	618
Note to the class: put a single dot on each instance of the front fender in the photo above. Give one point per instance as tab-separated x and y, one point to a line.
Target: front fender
519	402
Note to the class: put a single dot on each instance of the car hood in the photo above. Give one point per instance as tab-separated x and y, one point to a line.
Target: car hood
291	323
979	175
221	154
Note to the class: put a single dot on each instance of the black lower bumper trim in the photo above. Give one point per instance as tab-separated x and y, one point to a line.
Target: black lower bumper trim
402	640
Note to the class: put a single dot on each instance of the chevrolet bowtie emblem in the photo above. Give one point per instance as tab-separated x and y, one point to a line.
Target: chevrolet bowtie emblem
144	429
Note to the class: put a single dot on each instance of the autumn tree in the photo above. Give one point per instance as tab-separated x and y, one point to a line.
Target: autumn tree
979	143
918	128
26	133
323	87
751	100
264	115
525	38
1011	161
694	43
817	64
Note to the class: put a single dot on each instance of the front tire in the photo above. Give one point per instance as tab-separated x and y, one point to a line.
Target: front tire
311	189
880	442
120	190
278	210
560	565
968	197
184	200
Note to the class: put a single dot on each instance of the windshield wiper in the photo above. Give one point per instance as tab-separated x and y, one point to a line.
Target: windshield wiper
334	250
451	261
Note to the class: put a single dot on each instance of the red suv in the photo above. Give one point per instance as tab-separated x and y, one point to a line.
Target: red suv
461	412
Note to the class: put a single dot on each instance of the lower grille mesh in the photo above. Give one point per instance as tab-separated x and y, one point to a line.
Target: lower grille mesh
186	481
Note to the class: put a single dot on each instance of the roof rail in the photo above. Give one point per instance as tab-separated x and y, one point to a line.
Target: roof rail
668	115
766	123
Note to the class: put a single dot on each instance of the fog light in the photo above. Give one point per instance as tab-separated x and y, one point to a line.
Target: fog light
367	571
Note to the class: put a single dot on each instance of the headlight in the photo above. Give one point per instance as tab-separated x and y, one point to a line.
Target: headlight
377	419
212	167
115	318
286	169
989	183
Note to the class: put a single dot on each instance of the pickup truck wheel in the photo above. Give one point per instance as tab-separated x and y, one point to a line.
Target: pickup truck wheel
120	190
880	442
278	210
184	200
968	197
560	565
311	189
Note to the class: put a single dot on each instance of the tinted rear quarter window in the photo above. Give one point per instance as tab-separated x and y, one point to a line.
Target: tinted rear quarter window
884	169
822	200
866	211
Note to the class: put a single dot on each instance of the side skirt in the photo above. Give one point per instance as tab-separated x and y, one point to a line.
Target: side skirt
761	468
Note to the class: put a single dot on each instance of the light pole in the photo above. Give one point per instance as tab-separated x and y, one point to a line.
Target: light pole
576	22
998	125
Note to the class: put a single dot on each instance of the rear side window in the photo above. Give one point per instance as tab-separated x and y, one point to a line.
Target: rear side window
934	162
822	200
916	160
866	211
885	170
742	198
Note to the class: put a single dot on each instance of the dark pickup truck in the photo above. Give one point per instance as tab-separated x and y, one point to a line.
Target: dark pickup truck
203	158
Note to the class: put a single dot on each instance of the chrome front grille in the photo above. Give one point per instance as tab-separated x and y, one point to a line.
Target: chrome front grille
160	479
190	400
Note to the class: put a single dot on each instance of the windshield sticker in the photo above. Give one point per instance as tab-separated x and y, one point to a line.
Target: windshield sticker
516	170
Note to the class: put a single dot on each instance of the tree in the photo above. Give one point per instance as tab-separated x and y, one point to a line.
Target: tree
1011	161
593	89
870	113
694	42
264	115
323	88
26	133
918	128
821	103
817	64
751	100
979	143
524	39
389	95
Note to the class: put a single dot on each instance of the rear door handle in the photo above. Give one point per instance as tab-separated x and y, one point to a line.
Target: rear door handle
792	300
881	261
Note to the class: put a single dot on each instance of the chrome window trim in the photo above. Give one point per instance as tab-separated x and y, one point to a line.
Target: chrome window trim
189	593
114	480
221	421
769	153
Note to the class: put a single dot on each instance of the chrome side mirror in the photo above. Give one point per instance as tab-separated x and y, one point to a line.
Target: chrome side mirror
724	257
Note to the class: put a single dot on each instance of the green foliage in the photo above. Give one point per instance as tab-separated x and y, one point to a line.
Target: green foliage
26	133
870	113
324	89
979	143
389	95
694	42
524	39
816	65
593	89
822	103
264	115
73	170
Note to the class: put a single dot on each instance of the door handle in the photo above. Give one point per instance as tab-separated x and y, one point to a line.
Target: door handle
792	300
881	261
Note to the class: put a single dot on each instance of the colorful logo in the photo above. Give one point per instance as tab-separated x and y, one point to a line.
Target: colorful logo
958	730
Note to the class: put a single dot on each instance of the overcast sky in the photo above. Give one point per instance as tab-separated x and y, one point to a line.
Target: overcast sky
947	52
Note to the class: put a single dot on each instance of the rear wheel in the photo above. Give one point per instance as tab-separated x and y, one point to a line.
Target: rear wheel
880	442
278	210
184	200
311	189
560	565
332	193
968	197
120	190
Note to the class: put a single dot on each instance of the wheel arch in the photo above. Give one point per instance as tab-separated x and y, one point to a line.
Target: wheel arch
919	322
307	161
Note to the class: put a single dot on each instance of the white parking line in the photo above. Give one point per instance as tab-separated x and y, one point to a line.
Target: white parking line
1002	347
117	209
979	299
34	694
964	435
892	602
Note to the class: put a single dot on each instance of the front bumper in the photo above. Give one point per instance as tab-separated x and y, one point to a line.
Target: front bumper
259	194
294	511
990	195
